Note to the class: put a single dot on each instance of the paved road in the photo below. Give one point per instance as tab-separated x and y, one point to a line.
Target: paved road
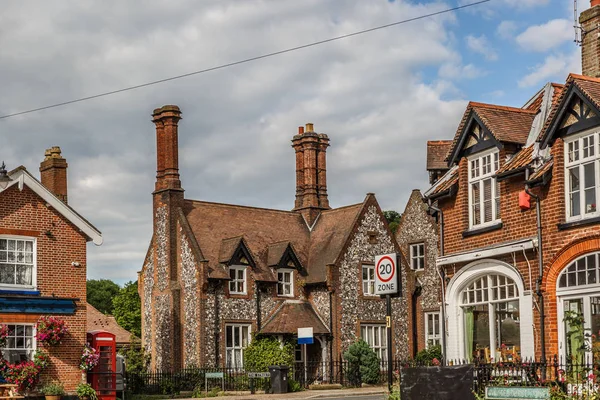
375	397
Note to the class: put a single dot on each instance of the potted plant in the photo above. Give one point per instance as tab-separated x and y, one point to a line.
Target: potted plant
85	391
53	390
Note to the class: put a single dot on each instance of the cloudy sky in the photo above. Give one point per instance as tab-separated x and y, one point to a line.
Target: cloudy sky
379	96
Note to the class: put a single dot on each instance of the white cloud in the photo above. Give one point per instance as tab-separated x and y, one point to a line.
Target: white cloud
526	4
481	45
546	36
454	70
555	67
506	29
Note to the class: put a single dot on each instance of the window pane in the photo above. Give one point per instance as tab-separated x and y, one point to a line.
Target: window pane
228	336
487	200
476	201
365	274
574	191
589	174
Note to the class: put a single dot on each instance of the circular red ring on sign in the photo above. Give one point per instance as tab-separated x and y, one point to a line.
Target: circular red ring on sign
377	269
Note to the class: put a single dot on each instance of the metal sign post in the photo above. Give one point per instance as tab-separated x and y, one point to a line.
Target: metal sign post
305	336
388	284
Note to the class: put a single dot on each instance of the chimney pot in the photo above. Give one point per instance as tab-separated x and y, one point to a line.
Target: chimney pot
310	127
594	3
300	130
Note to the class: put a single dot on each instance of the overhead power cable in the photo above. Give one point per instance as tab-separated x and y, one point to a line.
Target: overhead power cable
247	60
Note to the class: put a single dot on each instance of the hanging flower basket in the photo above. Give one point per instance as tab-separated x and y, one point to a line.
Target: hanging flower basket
51	330
89	358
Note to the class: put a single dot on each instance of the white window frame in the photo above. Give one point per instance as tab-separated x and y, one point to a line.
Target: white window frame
416	256
229	350
30	352
377	344
282	283
33	286
478	175
368	283
435	339
235	280
579	140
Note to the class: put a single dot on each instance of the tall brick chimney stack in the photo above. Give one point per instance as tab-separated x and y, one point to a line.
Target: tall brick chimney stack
166	120
590	40
311	172
53	171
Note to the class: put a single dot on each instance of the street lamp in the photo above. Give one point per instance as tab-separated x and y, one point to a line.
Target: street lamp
4	178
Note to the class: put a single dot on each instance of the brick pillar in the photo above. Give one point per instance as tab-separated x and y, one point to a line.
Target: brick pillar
167	201
53	171
311	172
590	46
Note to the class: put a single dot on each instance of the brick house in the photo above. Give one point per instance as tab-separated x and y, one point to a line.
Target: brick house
417	235
503	297
43	264
215	273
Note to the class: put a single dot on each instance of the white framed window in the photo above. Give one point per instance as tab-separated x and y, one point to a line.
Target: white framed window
376	337
20	343
417	256
237	284
285	282
237	338
484	193
433	336
368	280
492	323
17	262
581	176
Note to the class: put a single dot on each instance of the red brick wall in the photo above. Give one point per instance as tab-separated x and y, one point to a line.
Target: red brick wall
59	243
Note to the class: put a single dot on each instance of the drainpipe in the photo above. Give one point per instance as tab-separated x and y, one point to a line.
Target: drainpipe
442	276
538	284
258	315
330	335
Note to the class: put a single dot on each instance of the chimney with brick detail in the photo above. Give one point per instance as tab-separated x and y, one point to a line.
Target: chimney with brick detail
311	172
590	40
53	171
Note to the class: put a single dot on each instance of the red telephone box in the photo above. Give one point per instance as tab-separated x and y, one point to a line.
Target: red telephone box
103	378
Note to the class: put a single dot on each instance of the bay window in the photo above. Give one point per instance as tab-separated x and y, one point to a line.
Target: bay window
17	262
484	193
581	176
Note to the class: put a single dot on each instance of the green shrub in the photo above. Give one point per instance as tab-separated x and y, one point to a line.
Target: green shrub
363	364
265	351
426	356
294	386
53	389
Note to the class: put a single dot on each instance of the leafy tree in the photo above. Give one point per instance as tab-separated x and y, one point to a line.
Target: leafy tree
363	364
127	308
265	351
100	293
137	359
393	219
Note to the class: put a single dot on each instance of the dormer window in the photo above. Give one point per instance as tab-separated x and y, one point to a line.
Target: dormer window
581	180
484	194
237	284
285	282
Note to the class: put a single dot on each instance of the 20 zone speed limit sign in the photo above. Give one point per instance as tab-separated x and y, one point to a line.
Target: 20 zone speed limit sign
385	274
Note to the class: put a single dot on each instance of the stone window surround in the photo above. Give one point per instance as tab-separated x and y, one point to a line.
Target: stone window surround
595	158
494	165
33	285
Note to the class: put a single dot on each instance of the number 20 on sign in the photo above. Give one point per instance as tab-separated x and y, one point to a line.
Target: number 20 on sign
385	274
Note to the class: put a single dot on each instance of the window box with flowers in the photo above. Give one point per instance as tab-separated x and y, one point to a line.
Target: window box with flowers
51	330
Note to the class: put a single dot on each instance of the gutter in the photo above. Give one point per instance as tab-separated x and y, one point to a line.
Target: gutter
510	173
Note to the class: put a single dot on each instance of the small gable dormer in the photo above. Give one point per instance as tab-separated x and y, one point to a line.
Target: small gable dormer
234	253
282	257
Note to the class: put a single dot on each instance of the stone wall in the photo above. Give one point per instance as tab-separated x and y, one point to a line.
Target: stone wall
191	303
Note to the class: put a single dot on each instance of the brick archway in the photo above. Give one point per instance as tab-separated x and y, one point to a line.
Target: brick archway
560	261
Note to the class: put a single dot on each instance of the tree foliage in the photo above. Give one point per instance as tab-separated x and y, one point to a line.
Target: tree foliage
137	359
127	308
393	219
363	364
100	294
265	351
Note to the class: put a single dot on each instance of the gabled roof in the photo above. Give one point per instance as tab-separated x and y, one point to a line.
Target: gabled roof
519	161
444	185
21	177
437	151
96	321
587	87
506	124
292	315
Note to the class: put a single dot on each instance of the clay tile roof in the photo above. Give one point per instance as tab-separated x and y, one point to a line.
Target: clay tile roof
447	184
260	227
96	321
507	124
293	315
541	171
228	247
558	88
275	252
327	239
437	151
519	160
